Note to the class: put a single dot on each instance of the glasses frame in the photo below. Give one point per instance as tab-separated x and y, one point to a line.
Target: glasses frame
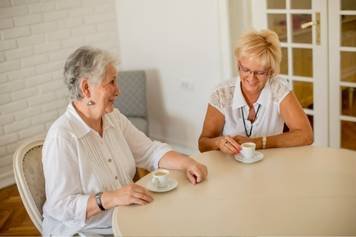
244	71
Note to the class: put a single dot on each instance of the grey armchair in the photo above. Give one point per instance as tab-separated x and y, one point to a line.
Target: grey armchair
132	101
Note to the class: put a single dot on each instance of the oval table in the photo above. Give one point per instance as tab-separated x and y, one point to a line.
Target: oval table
292	191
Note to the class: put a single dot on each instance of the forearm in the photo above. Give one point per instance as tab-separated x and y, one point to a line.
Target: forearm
175	160
290	139
208	144
93	209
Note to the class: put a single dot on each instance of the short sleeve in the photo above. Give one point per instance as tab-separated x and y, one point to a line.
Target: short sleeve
222	95
279	90
214	101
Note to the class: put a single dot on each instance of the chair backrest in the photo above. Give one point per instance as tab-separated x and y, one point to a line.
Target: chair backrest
29	178
132	101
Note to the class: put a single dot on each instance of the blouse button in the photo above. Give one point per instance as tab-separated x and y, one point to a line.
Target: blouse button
109	160
116	177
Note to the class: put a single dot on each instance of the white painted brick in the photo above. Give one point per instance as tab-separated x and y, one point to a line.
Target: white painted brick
51	86
2	57
84	30
83	11
5	3
71	22
3	78
47	47
5	98
5	119
28	20
58	35
63	94
41	99
99	18
13	11
73	43
13	107
6	23
33	1
49	116
104	8
23	73
9	66
16	32
18	2
56	15
108	26
12	86
49	67
24	94
67	4
18	53
6	161
57	105
7	44
38	80
60	55
3	151
32	131
103	37
16	126
27	113
44	27
31	40
34	60
42	7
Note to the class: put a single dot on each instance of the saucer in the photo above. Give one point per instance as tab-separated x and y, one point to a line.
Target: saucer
172	184
257	157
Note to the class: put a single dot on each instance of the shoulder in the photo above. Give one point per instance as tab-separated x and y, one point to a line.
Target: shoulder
223	94
61	128
279	88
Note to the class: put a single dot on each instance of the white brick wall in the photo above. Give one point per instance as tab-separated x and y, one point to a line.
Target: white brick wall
35	39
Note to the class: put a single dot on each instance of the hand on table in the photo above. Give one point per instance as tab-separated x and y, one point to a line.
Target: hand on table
196	172
131	194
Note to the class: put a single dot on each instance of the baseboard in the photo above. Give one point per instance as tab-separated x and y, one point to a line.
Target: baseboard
7	179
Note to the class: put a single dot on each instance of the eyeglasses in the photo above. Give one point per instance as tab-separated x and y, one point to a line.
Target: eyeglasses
244	71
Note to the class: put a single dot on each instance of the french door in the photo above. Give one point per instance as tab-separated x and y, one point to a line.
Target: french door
318	39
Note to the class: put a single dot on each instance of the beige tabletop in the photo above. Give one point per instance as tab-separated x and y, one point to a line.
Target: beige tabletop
292	191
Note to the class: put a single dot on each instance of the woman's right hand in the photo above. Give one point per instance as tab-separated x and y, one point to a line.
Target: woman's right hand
228	145
131	194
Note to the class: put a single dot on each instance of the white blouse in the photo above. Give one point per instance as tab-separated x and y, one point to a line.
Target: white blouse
78	162
229	100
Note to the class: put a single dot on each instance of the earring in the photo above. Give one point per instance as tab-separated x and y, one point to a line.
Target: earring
90	102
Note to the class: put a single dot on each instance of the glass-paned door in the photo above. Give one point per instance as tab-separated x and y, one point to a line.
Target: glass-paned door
342	36
301	27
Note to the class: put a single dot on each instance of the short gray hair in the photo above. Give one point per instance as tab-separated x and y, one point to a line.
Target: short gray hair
86	62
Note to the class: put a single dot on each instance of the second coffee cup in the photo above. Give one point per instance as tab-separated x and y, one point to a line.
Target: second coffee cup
248	150
160	178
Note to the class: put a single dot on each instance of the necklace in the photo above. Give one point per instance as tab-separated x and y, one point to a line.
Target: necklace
248	134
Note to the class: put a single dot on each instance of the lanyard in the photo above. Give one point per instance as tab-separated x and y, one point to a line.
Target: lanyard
243	119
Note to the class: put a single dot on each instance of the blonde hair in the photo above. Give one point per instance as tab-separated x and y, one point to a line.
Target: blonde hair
263	46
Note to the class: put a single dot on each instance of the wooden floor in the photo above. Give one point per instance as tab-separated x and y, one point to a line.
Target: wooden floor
14	220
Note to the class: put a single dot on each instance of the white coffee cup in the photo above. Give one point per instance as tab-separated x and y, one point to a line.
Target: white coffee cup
160	178
248	150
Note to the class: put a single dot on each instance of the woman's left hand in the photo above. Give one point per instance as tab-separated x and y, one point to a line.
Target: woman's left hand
196	172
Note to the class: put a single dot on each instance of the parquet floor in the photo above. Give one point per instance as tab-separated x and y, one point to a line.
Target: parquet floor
14	220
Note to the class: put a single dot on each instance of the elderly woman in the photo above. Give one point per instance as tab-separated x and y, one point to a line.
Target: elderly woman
255	106
91	152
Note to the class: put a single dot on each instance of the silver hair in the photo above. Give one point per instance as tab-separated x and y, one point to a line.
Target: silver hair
86	62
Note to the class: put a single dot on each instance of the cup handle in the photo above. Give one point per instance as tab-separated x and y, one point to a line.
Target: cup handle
155	181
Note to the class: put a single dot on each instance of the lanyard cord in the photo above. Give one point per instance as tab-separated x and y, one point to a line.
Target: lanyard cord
243	119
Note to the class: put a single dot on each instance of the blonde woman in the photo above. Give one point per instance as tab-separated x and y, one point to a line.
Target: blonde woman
255	106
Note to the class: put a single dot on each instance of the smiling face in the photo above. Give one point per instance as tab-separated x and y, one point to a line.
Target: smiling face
253	75
104	94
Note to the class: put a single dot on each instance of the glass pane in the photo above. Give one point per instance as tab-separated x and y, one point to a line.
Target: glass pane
303	62
301	4
278	23
348	135
304	92
276	4
284	63
348	101
348	30
348	66
301	35
348	4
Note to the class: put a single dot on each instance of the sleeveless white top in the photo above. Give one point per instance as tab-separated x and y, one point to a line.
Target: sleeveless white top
229	100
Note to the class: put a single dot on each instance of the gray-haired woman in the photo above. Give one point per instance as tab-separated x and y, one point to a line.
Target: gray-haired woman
91	152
